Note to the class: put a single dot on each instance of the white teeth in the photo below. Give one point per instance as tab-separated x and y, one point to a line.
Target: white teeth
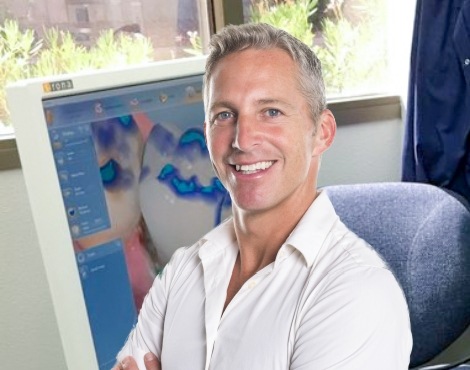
250	168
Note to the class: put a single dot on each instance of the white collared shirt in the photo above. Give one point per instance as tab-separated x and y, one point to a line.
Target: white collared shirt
327	302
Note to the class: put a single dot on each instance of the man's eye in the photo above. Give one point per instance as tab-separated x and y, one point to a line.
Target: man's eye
224	115
223	118
273	112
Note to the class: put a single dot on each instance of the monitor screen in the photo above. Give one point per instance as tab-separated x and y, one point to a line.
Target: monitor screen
130	163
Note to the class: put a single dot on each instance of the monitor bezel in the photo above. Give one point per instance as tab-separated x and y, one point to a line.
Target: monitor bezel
25	102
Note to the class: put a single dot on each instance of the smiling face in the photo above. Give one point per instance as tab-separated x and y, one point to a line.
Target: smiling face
260	133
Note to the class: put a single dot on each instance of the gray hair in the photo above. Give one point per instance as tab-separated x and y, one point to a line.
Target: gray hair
263	36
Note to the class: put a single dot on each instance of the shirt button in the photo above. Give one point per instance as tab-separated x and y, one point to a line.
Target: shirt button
467	61
252	284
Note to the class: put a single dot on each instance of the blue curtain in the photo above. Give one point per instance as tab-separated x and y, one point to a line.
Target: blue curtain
437	137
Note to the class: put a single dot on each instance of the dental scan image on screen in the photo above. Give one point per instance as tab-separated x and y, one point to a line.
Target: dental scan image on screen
137	184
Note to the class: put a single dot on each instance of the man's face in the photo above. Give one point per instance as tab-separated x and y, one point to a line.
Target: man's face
259	131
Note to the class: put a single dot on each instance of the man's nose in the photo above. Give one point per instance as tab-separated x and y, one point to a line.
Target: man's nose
247	134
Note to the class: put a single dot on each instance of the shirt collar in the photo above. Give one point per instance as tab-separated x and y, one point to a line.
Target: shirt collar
307	237
218	239
313	228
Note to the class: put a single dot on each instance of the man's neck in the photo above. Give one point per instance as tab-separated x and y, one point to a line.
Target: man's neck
260	235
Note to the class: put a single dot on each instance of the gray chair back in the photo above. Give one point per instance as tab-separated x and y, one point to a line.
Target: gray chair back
423	233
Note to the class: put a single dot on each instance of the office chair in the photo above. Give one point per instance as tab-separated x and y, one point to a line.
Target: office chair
423	233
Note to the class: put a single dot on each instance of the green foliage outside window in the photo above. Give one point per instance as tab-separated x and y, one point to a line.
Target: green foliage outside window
23	56
352	49
17	49
348	37
353	53
289	15
196	44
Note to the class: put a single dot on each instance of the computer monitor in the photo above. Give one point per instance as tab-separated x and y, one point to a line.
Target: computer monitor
118	176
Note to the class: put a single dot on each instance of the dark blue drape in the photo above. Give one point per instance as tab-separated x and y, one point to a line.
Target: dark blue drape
437	137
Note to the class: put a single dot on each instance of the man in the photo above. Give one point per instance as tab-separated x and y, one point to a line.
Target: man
283	284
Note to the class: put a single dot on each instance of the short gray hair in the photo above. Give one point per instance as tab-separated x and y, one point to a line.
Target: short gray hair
263	36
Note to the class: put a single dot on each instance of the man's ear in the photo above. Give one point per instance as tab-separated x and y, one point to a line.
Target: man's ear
326	132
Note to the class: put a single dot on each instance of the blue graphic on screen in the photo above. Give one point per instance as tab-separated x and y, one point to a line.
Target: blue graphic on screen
106	288
191	187
178	177
78	173
119	141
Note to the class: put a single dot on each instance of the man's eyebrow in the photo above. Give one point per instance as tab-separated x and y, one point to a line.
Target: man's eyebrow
265	101
221	104
274	101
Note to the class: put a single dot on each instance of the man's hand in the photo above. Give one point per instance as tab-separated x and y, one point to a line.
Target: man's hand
128	363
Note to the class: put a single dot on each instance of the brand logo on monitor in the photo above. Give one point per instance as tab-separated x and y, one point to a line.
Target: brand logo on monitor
57	86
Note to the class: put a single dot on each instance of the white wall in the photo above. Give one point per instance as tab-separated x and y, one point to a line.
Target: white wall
364	152
29	337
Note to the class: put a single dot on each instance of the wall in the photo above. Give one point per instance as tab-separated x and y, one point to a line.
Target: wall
29	336
368	142
364	152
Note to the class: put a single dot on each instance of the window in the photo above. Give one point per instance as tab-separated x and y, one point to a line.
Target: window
81	15
49	37
352	38
359	53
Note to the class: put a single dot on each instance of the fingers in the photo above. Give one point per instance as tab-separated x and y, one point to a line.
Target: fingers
128	363
117	367
151	362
